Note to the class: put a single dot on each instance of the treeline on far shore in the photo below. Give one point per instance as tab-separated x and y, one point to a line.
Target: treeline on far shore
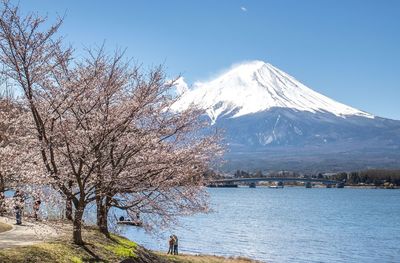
377	177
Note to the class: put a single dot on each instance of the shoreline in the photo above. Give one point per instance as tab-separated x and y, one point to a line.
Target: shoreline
97	248
323	187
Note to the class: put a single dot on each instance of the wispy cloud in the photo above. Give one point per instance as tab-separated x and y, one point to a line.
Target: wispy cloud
244	9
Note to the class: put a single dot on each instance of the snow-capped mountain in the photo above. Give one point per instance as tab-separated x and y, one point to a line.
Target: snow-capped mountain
272	121
255	87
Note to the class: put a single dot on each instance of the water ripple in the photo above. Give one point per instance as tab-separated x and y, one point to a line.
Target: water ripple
292	225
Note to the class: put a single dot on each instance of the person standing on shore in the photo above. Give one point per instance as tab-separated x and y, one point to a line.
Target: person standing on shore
171	243
2	204
36	207
18	206
175	244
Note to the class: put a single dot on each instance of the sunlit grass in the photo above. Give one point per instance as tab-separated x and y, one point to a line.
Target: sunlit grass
98	248
4	227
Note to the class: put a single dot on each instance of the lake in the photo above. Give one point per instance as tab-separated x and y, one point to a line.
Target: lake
292	224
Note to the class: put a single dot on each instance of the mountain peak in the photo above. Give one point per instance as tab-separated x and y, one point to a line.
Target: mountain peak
250	65
256	86
245	69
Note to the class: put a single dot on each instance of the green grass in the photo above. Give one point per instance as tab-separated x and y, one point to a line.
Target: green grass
122	247
4	227
45	252
76	260
98	248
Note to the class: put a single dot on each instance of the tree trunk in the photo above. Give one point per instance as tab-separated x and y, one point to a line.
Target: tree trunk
68	205
2	184
68	209
102	216
77	231
2	198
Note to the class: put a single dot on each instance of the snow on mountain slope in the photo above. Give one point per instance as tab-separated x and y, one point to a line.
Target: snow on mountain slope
254	87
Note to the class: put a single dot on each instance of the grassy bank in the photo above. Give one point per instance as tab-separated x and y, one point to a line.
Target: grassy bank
4	227
99	249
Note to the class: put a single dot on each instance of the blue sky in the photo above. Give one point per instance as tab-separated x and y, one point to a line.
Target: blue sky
348	50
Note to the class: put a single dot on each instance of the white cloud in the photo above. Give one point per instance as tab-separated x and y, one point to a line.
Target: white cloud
244	9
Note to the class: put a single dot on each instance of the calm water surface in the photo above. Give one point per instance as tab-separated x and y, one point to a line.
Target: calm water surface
291	225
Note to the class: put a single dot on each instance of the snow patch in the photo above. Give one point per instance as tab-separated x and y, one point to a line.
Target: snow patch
257	86
298	131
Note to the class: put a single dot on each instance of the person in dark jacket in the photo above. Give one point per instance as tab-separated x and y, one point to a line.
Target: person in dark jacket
36	207
171	242
2	203
175	244
18	206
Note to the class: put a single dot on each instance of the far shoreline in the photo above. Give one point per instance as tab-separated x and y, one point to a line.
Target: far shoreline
323	187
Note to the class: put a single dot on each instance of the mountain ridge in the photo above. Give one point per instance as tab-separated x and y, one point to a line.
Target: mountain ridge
258	86
274	122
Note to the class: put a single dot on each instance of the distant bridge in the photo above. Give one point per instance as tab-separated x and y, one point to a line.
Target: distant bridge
253	181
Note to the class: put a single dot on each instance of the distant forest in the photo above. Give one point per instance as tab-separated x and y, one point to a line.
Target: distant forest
377	177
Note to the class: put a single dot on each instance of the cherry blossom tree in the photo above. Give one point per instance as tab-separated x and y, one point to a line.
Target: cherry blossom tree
103	128
35	60
139	144
15	160
8	138
153	153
